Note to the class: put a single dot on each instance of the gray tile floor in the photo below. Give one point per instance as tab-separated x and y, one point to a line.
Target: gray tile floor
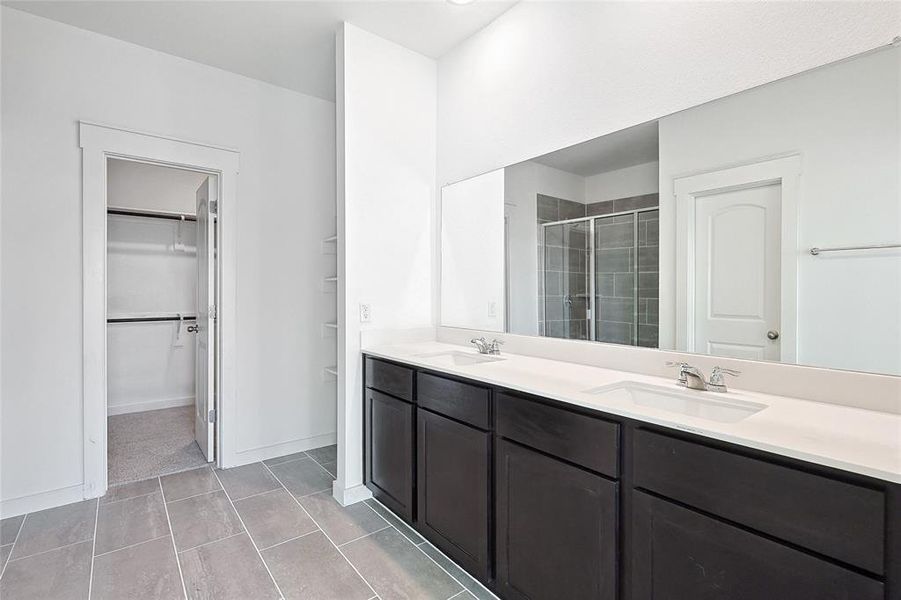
265	530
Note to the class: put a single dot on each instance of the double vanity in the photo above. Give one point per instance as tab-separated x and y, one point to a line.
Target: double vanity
547	480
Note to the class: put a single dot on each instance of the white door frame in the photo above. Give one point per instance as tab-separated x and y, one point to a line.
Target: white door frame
98	143
785	171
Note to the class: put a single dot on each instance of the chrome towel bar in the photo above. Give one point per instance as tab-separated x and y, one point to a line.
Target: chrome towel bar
816	251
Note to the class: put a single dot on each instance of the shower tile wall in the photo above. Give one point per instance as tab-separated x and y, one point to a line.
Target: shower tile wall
567	273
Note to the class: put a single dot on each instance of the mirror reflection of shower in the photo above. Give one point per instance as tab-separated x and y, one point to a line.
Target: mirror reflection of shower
599	273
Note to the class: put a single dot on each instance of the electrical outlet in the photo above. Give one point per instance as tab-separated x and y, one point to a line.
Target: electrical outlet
492	308
365	313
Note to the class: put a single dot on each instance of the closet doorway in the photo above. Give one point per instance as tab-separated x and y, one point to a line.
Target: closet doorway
161	326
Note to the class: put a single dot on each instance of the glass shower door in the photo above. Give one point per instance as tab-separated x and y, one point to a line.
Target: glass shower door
615	270
566	280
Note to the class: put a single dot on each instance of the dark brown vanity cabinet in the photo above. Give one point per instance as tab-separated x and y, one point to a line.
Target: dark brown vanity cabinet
541	500
681	554
556	528
454	490
388	438
556	506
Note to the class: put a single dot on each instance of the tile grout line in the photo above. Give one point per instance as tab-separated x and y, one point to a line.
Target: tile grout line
195	496
289	540
250	496
13	549
423	543
249	537
320	465
181	576
211	542
352	566
130	498
50	550
93	549
365	535
159	537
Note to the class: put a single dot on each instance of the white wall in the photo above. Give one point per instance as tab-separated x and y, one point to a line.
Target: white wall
386	212
623	183
843	120
472	253
523	182
151	187
546	75
52	76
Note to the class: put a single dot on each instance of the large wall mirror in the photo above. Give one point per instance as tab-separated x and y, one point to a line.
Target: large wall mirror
765	225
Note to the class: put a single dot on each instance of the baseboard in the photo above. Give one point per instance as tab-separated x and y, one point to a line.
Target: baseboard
133	407
252	455
351	495
13	507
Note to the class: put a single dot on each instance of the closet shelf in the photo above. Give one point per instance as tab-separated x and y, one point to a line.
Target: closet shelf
331	238
334	278
332	371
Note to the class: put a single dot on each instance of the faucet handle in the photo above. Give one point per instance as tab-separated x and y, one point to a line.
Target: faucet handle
717	376
683	378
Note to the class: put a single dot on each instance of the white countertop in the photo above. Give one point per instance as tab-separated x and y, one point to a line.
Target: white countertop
852	439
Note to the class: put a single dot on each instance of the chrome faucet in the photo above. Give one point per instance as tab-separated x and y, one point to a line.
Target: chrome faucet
717	381
693	378
486	347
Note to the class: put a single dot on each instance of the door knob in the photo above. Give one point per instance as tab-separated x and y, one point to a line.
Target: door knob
772	334
193	328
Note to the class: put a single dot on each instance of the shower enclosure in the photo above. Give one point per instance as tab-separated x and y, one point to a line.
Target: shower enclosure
600	278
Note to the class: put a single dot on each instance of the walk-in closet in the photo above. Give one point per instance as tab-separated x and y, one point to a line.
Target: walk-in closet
160	278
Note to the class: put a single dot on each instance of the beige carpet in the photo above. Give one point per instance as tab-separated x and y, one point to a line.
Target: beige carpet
156	442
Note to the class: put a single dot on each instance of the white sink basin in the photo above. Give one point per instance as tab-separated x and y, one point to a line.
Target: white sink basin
704	405
458	359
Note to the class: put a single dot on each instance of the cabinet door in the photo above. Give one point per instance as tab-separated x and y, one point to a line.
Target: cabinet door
556	528
678	554
389	451
454	462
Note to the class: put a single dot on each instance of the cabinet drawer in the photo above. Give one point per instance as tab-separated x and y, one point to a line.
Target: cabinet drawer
834	518
461	401
389	378
586	441
679	554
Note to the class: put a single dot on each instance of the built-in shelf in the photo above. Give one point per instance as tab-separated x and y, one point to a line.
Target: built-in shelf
331	238
329	330
330	374
330	245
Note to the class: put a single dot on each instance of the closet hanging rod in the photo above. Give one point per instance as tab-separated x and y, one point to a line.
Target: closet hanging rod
150	319
127	212
816	251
